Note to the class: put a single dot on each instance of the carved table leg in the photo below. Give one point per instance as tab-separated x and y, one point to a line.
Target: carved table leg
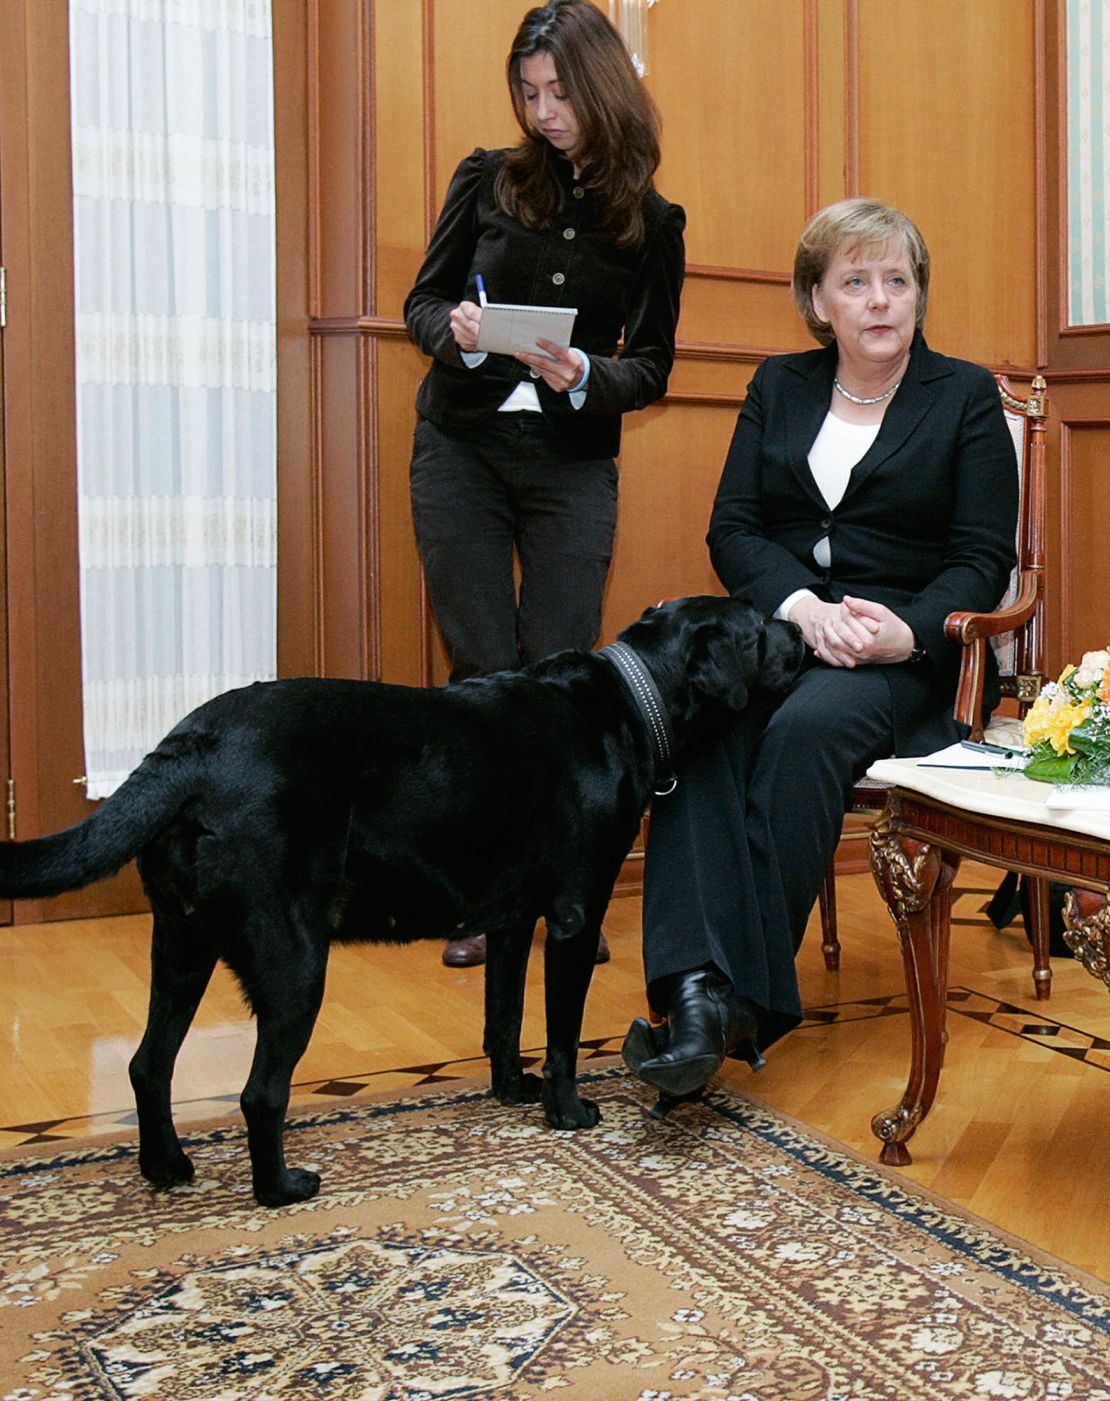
1039	935
1087	930
915	880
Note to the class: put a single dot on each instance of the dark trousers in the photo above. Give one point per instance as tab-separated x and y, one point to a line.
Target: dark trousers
481	493
736	854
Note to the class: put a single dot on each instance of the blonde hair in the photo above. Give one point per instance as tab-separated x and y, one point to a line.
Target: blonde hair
855	224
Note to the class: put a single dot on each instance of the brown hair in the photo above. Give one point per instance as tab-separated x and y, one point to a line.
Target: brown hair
859	225
618	122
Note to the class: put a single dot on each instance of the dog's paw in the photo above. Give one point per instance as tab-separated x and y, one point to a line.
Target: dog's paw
295	1185
167	1172
523	1089
571	1112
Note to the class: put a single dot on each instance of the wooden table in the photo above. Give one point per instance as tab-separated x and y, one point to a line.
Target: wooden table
932	819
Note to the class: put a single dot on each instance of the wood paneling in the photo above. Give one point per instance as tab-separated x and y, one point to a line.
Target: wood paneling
1084	586
946	132
756	135
297	520
398	131
734	128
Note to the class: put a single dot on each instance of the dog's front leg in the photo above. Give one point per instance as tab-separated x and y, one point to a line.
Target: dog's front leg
506	966
568	968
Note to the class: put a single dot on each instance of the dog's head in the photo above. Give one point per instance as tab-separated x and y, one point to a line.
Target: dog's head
709	654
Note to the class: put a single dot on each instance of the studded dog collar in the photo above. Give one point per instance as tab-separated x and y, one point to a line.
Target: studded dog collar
649	702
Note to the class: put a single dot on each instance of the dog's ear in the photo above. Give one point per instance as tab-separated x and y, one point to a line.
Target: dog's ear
724	660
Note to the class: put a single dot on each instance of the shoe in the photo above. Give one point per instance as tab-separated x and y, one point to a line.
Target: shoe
706	1023
466	952
643	1042
469	952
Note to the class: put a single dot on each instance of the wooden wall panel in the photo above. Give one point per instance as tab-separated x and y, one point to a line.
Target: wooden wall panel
732	310
398	134
1078	523
404	657
946	131
339	38
669	473
343	508
734	108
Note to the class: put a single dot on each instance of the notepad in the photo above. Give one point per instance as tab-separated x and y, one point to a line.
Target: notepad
506	328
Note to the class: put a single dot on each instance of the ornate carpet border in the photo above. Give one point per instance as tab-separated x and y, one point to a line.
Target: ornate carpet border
1018	1261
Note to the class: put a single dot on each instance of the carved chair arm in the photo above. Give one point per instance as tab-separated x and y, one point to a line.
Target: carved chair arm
966	628
972	631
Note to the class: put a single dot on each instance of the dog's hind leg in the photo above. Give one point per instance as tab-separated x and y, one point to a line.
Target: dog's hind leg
181	963
506	967
286	998
568	967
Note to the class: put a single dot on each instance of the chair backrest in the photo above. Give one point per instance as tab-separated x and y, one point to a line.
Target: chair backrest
1020	654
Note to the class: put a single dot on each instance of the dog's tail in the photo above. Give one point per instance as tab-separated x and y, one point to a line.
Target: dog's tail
109	837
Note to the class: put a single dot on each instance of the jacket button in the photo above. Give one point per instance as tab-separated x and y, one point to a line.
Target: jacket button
826	521
558	279
568	233
534	373
579	191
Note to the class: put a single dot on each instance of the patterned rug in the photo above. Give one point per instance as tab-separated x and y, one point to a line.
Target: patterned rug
463	1250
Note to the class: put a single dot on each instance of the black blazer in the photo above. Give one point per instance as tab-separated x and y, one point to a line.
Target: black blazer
927	523
629	292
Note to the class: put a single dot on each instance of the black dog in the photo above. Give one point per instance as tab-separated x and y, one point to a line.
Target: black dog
284	815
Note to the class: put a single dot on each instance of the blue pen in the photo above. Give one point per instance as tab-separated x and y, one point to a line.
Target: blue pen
479	282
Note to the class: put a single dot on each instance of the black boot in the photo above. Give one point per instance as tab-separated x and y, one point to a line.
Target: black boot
643	1042
706	1023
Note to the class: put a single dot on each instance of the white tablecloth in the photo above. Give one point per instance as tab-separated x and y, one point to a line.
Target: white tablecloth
1010	795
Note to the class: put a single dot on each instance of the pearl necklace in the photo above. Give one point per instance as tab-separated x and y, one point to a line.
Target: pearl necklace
855	398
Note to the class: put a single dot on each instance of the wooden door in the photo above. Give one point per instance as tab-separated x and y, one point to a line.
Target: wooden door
42	612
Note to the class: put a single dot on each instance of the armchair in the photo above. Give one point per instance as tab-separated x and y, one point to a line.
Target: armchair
1015	632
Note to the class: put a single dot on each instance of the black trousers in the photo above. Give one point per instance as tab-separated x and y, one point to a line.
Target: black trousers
737	853
481	493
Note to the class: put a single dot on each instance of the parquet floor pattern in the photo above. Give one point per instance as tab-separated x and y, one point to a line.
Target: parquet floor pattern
1015	1135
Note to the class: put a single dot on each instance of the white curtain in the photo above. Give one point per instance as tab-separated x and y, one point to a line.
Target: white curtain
173	182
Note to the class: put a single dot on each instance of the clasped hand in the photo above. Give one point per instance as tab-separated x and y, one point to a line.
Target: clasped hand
854	632
559	368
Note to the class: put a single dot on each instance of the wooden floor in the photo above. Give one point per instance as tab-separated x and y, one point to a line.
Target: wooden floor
1015	1135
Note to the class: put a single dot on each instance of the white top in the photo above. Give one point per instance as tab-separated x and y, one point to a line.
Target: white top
835	451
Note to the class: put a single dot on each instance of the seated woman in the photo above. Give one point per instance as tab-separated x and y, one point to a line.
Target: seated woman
869	491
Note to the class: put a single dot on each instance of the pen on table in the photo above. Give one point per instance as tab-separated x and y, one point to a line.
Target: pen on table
479	282
960	768
980	746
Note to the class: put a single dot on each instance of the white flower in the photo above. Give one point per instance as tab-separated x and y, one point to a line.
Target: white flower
1091	669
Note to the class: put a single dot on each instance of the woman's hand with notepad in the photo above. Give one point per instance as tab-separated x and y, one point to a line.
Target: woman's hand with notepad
560	367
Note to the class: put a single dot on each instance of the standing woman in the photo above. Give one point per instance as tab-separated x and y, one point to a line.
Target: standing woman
516	452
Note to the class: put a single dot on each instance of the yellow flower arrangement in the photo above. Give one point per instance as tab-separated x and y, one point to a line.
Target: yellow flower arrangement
1068	726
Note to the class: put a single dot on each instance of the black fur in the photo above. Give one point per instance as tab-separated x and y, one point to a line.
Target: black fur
279	817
